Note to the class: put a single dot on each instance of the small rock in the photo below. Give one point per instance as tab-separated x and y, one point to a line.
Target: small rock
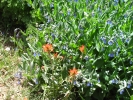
7	48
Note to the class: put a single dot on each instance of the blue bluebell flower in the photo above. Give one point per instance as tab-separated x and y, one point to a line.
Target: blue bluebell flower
121	91
89	84
68	60
129	85
111	55
127	41
36	54
87	2
53	35
16	49
125	16
68	12
49	20
104	40
116	2
18	82
93	14
98	80
117	52
98	8
131	62
35	80
114	81
65	47
109	22
51	5
81	28
76	0
74	83
110	42
86	58
18	75
40	29
114	39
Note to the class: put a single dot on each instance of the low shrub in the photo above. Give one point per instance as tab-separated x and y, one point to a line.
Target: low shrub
81	50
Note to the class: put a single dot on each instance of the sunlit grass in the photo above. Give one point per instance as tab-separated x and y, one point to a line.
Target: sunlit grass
9	61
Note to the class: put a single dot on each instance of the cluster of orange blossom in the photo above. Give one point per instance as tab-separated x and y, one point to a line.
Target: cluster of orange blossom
73	72
49	48
82	48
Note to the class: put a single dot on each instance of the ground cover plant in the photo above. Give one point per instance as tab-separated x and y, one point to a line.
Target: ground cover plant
78	50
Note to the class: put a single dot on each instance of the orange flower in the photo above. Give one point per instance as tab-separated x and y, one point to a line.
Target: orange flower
47	48
55	55
81	48
73	72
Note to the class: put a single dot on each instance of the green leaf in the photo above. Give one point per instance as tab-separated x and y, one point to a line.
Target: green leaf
131	97
106	78
97	46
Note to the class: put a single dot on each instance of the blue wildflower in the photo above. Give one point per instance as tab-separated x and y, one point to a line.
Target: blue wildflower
68	13
129	85
18	75
68	60
74	83
86	2
104	40
18	82
127	41
16	49
109	22
116	1
125	16
53	35
93	14
121	91
51	5
111	55
40	29
98	80
110	42
65	47
89	84
35	80
131	62
48	20
114	81
98	9
76	0
117	52
86	58
36	54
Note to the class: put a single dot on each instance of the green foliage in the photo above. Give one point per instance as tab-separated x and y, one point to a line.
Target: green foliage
104	65
14	14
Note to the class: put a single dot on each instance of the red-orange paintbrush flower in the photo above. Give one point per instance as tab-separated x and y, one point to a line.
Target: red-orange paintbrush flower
55	55
47	48
73	72
81	48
